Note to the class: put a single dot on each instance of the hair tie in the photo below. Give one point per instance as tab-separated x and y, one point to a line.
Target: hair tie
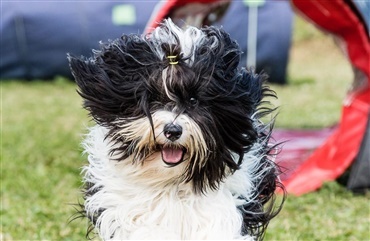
172	59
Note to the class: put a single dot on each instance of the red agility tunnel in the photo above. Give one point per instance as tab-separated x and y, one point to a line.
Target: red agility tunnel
342	19
349	141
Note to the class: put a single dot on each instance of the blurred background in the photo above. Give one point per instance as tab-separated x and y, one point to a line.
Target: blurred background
318	85
36	37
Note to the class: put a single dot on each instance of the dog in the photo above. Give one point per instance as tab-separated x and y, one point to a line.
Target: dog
179	150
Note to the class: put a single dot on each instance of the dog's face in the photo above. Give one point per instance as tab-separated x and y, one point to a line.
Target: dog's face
174	100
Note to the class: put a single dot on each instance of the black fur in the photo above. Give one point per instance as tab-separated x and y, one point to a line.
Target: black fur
123	81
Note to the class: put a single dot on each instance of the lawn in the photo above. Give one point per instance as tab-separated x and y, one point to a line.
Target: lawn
42	124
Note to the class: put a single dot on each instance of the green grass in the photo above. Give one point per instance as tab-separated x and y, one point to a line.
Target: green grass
331	213
42	124
318	76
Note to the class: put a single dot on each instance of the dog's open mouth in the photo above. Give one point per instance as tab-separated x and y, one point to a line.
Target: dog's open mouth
172	155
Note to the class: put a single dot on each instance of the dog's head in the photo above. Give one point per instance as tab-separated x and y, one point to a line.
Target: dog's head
180	111
175	98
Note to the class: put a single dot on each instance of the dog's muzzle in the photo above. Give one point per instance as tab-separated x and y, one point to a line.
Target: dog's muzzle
172	154
172	131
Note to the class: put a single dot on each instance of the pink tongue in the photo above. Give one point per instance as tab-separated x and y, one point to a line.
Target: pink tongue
171	155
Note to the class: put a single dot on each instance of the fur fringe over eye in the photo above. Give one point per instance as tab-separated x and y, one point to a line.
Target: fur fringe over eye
179	150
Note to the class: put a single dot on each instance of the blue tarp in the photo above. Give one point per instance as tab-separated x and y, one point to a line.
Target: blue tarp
274	30
35	36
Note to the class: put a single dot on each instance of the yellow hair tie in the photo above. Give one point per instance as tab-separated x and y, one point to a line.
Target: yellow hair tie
171	59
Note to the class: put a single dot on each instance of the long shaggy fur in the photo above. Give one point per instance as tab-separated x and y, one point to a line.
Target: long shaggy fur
223	186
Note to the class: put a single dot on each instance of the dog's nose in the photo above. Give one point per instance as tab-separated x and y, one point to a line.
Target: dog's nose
172	131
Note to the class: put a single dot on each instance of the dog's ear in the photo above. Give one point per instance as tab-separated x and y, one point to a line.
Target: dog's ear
115	82
217	54
95	88
249	82
231	52
253	84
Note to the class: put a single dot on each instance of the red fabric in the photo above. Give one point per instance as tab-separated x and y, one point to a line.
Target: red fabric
297	146
165	8
338	18
338	152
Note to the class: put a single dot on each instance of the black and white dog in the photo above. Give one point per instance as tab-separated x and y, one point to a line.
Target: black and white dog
178	150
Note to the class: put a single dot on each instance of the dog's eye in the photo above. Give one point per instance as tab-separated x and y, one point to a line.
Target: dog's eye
193	101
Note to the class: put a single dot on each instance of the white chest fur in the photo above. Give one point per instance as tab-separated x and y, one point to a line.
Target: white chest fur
133	207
